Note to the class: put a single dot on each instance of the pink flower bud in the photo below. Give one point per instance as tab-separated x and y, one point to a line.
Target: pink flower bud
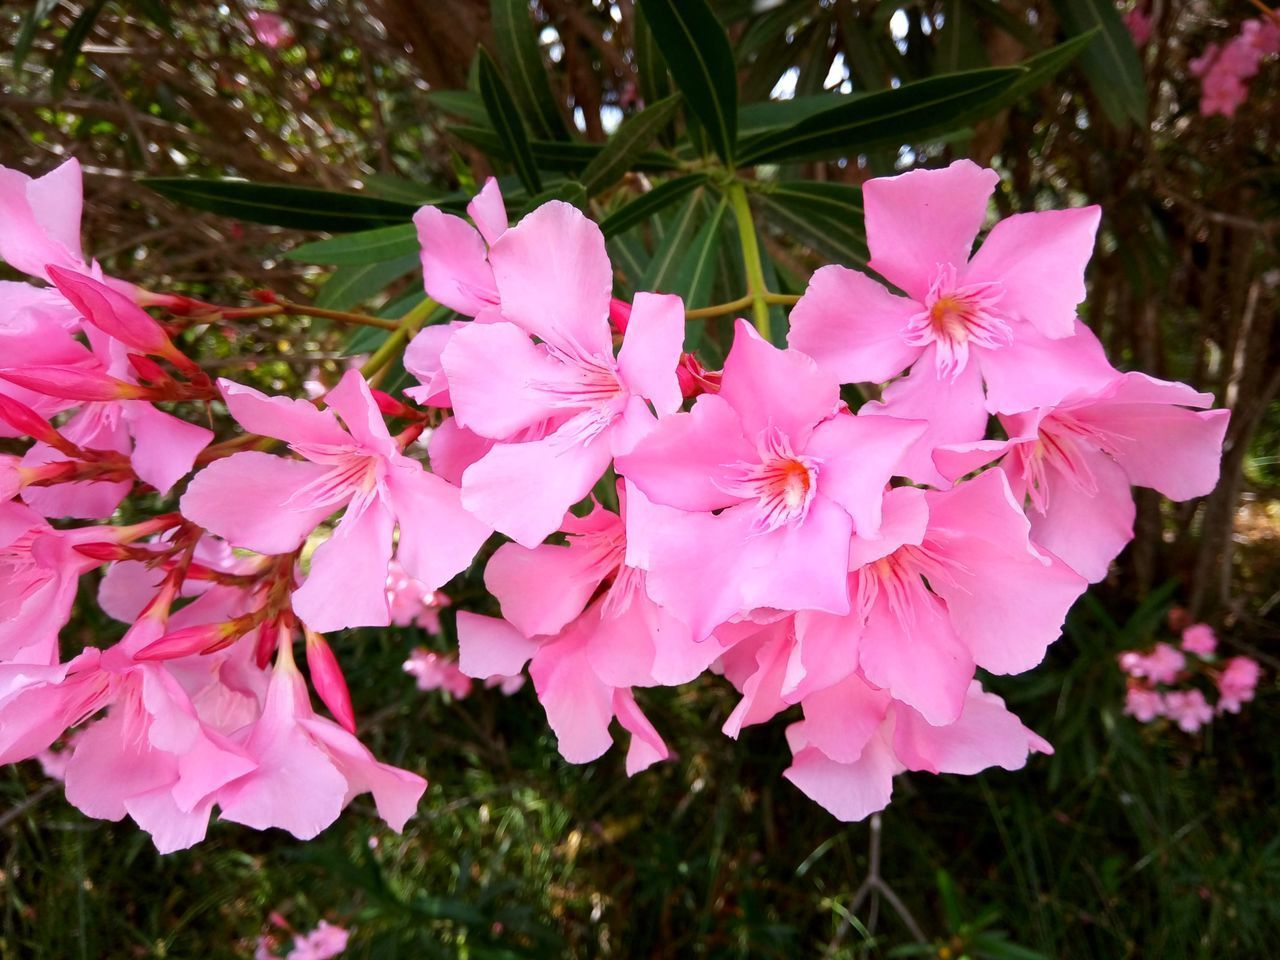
327	678
111	312
619	314
69	383
203	638
26	421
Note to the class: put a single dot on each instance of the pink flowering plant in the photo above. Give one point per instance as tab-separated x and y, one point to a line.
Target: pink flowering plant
859	497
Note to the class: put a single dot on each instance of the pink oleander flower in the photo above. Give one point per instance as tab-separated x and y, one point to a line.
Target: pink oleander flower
953	582
270	29
1162	665
769	479
272	504
1075	462
583	405
1143	703
434	671
327	940
40	220
855	738
411	603
1188	709
1004	319
1224	70
578	703
1237	683
1199	639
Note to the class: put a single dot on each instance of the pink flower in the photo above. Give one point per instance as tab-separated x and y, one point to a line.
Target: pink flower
1237	683
40	220
562	407
272	504
1162	665
411	602
954	581
1199	639
1188	709
1225	70
270	29
1138	22
433	671
769	480
1005	319
327	940
1076	461
854	739
1143	703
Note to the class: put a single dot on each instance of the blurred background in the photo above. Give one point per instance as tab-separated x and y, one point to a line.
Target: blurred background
1132	841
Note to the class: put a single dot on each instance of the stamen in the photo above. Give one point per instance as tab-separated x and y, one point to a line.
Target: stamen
956	316
782	484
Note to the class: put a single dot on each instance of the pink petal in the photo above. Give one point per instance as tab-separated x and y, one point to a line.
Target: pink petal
1007	601
578	705
953	409
960	459
646	747
857	457
396	792
918	658
651	350
438	538
500	382
905	519
40	219
543	588
352	401
284	418
247	500
111	763
164	447
171	828
347	583
455	268
1040	260
769	387
490	647
488	211
452	448
840	720
1034	371
1086	531
762	690
985	735
848	791
852	326
920	220
422	359
799	566
554	279
524	489
825	652
684	460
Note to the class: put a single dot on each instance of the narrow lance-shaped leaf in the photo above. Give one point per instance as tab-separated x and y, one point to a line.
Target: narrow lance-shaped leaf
628	143
660	275
356	283
1039	70
908	114
651	69
697	267
562	156
507	123
302	208
697	52
32	22
367	246
647	204
1111	61
517	45
71	45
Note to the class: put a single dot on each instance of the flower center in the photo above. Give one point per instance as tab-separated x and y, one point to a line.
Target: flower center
782	484
1060	445
956	316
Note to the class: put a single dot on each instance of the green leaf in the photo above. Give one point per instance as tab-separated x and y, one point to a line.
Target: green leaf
522	59
570	191
32	22
1111	61
391	187
651	69
367	246
302	208
828	199
647	204
697	52
698	266
627	143
958	43
564	157
911	113
832	236
356	283
755	118
460	103
507	123
662	271
1040	69
76	35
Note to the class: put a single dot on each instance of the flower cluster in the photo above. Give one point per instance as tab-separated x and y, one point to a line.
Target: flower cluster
857	561
325	942
1225	69
1162	683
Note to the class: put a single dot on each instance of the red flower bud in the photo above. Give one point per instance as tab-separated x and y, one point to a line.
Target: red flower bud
327	678
69	383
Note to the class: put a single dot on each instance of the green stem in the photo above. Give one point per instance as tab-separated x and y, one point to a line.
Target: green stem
756	290
394	344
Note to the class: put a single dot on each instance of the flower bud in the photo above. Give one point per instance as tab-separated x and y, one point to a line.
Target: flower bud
69	383
327	678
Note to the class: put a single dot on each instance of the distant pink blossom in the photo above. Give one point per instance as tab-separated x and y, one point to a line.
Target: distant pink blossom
327	940
1161	665
433	671
1237	683
1225	69
1138	22
411	602
1143	703
1199	639
270	29
1188	709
